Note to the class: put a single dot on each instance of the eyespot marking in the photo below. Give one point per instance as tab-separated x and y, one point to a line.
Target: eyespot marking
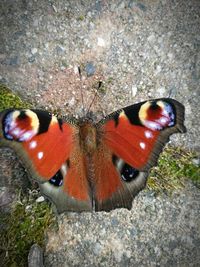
57	179
20	125
129	173
157	115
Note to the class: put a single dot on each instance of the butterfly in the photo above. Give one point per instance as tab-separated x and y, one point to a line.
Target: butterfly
83	166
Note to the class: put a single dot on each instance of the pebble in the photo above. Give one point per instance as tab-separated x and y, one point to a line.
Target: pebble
97	248
7	196
14	61
100	42
161	91
71	102
31	59
40	199
35	256
196	161
134	90
142	6
36	23
90	69
158	69
60	49
34	51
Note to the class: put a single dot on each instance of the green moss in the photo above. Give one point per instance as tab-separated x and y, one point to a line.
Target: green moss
9	100
81	18
174	166
110	80
23	227
64	64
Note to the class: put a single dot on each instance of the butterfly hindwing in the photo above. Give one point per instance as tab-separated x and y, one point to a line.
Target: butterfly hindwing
115	182
74	192
131	141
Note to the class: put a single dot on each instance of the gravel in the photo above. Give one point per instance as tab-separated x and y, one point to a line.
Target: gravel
158	231
139	49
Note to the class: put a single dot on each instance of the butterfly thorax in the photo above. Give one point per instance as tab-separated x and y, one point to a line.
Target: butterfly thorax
88	134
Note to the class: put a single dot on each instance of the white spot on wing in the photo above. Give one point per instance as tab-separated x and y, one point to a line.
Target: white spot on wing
64	169
142	145
148	134
33	144
40	155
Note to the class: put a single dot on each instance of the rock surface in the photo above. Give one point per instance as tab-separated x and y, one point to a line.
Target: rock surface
158	231
139	49
35	256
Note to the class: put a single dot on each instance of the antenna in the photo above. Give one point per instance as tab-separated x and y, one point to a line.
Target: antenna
82	99
95	95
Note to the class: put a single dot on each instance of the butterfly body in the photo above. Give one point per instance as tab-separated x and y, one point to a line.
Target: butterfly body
88	137
82	165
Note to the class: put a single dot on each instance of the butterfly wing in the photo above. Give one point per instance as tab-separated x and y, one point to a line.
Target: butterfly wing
130	142
50	151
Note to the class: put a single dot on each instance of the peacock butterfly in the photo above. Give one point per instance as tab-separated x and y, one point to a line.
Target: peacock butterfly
84	166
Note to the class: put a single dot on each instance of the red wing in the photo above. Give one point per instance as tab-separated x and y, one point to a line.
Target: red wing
74	193
110	189
50	151
130	142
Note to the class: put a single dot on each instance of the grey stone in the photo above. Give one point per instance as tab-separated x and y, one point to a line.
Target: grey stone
14	61
196	161
31	59
35	256
7	197
90	68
